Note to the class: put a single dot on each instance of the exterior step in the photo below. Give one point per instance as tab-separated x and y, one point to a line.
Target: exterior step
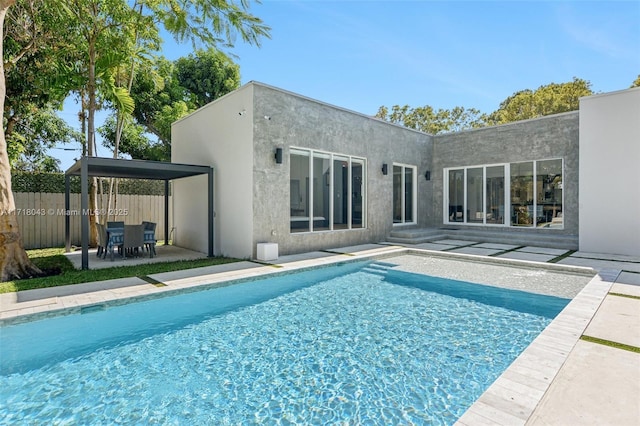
377	268
416	235
550	240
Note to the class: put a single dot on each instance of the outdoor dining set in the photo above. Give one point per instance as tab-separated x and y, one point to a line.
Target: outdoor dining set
126	240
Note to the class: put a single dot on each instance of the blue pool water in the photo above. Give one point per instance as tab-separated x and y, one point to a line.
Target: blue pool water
354	343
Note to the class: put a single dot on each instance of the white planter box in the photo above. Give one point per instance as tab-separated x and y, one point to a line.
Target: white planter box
267	251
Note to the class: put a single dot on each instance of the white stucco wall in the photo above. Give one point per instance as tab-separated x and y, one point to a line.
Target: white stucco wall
609	194
219	134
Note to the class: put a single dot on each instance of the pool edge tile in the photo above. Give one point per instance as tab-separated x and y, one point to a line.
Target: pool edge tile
542	364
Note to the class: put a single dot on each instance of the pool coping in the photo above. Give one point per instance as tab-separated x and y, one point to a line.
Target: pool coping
515	395
510	400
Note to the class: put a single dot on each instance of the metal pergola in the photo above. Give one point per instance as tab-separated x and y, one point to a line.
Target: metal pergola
88	167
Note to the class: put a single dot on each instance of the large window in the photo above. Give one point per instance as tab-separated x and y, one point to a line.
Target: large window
456	195
327	191
404	193
299	187
475	195
549	193
531	196
494	184
321	190
522	211
357	193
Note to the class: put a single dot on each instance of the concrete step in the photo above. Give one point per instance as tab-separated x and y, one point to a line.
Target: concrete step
510	236
416	235
377	268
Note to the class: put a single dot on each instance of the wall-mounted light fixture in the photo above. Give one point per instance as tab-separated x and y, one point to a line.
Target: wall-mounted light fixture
427	175
278	156
385	169
267	117
243	112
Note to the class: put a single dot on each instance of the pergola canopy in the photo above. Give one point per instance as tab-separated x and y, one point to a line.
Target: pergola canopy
133	169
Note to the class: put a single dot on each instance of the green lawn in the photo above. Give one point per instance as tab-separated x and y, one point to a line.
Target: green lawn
54	258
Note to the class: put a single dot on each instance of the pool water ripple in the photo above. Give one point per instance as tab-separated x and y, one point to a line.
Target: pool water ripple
358	349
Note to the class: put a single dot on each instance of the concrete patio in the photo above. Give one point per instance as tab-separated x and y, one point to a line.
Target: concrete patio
164	253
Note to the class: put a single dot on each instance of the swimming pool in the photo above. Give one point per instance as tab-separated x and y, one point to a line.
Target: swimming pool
361	343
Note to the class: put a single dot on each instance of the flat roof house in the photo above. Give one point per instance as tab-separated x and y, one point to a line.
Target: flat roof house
310	176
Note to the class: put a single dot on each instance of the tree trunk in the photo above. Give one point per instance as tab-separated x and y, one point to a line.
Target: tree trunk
14	262
91	134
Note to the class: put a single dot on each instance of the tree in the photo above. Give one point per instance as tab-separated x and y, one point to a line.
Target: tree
34	48
636	82
428	120
113	29
34	133
105	26
549	99
133	141
106	29
168	91
207	75
14	261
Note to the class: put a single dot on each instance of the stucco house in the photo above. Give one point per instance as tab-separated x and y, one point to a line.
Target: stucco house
307	176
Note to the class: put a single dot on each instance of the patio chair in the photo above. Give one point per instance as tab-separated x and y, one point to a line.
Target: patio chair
133	239
115	239
102	240
150	237
115	225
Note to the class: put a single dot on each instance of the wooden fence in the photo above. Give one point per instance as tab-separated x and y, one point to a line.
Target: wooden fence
41	216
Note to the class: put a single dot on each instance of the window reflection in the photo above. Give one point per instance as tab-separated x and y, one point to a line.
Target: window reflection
522	213
327	191
531	197
549	194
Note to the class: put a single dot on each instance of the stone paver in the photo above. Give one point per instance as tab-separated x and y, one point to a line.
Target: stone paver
532	257
496	246
458	243
598	385
617	320
622	287
629	278
477	251
432	246
361	248
614	257
206	270
601	264
543	250
67	290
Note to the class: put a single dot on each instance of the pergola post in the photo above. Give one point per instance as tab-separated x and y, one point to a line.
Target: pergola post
166	212
211	213
67	218
84	211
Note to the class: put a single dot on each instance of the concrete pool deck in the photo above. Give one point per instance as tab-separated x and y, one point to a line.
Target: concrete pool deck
559	379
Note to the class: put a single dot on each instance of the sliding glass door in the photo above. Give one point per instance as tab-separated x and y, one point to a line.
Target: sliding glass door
327	191
524	194
404	193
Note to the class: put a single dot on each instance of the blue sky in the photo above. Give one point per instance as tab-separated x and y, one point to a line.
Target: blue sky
363	54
